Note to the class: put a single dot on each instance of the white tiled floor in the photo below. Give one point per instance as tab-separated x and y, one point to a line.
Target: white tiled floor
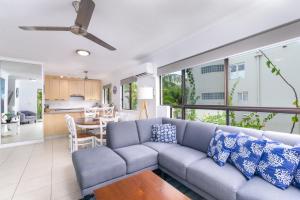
40	171
27	132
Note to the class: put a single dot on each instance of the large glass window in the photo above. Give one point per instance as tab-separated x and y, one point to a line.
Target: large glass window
256	82
107	95
264	120
209	116
129	96
171	89
205	84
262	88
176	113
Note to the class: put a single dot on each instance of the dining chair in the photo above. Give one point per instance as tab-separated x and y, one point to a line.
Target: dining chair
77	139
108	111
90	112
100	139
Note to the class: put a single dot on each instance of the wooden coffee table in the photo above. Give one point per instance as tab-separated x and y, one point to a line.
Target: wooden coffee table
143	186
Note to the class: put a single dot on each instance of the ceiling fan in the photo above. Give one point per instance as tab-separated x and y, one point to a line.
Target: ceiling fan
86	75
84	14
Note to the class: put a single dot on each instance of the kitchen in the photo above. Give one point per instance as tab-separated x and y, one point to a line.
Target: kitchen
67	95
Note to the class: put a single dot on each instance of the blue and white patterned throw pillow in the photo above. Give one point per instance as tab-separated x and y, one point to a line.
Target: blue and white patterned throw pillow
278	164
246	154
220	146
296	181
165	133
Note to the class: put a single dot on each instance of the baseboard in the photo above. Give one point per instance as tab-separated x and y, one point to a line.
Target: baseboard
20	143
55	137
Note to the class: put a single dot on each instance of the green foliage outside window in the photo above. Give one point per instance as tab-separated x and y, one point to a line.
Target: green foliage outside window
134	102
171	90
39	104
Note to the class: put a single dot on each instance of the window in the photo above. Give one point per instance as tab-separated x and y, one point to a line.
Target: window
243	97
205	88
107	94
237	70
176	113
209	116
171	89
262	90
212	96
212	68
129	96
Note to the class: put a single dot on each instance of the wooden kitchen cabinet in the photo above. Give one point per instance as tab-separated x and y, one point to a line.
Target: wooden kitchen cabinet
47	88
56	89
55	123
64	89
92	90
76	87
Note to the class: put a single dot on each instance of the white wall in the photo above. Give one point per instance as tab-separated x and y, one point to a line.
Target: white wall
27	99
148	81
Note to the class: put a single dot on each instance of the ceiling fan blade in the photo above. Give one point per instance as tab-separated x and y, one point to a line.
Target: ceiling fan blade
44	28
99	41
84	14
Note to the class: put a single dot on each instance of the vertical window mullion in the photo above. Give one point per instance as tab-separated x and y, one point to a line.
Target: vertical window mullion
183	94
130	97
226	76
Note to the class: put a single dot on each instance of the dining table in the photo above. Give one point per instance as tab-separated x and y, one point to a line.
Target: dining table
90	123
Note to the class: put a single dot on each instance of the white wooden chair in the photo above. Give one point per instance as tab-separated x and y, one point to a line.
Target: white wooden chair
91	112
77	139
108	111
100	139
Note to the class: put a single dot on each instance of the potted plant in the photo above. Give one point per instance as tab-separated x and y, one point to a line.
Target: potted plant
9	117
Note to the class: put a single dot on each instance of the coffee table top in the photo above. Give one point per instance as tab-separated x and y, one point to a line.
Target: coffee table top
145	185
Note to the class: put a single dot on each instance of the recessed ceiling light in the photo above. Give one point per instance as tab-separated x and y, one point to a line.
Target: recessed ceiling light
82	52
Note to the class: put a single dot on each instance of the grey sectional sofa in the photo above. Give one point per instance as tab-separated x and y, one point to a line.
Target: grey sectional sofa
130	151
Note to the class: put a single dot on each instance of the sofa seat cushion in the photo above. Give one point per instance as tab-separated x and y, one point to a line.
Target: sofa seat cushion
97	165
159	146
219	182
178	158
137	157
259	189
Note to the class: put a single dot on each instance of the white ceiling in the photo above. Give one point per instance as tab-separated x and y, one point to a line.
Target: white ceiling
136	28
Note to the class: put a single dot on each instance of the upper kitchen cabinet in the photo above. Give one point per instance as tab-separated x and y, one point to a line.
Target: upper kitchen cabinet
56	89
64	89
76	87
92	90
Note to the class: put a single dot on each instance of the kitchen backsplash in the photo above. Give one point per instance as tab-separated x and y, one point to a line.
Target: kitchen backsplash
74	102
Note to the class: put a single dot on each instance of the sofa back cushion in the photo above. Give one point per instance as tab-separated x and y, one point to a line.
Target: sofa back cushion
198	135
145	128
286	138
180	127
122	134
248	131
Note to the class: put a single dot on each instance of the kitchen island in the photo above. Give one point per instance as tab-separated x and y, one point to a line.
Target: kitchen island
55	123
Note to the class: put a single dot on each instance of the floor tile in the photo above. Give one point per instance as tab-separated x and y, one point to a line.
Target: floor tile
42	193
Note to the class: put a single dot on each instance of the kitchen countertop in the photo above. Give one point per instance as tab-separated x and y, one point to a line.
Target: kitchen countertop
58	111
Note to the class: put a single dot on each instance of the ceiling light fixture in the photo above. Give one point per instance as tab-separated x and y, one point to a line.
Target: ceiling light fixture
82	52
